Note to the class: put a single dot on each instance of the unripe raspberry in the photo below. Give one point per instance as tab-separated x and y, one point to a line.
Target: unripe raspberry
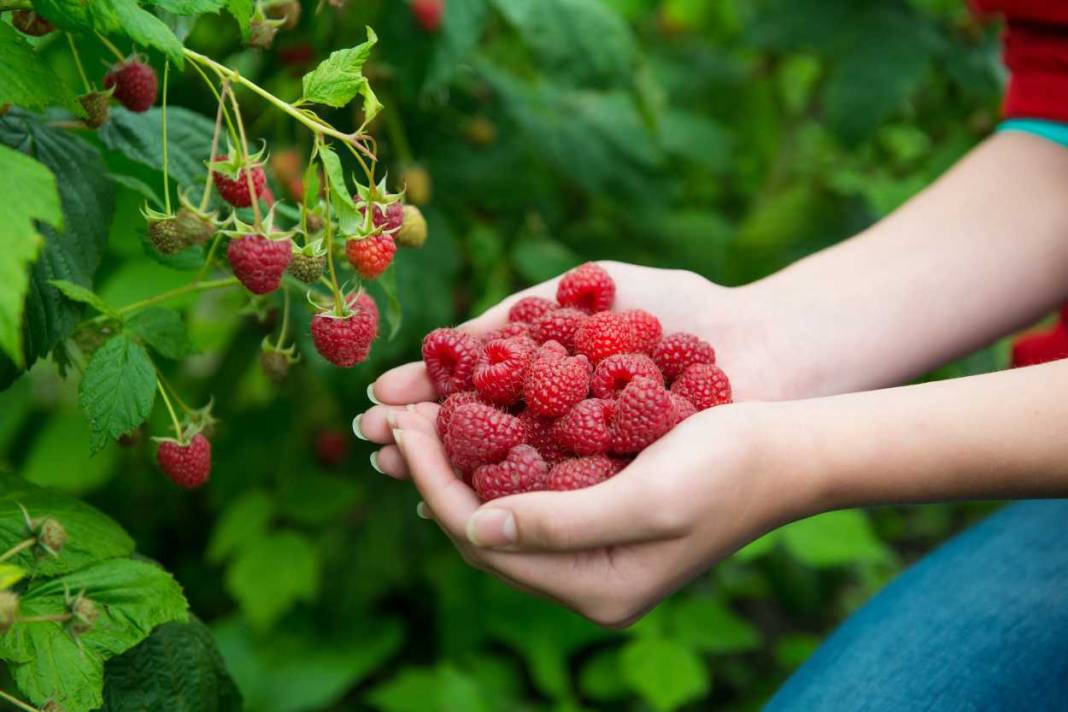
50	534
9	610
166	236
30	23
413	230
308	268
97	109
84	615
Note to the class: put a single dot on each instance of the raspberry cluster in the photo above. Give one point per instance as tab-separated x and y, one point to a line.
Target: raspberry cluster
567	393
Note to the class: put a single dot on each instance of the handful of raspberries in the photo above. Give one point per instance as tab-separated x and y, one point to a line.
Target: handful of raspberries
567	393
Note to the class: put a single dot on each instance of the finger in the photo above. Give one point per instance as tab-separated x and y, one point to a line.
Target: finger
389	461
374	425
402	385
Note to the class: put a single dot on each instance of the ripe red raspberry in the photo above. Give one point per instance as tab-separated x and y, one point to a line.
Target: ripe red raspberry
449	406
613	374
480	434
345	340
530	308
362	302
450	357
581	473
514	328
683	408
704	385
585	429
603	334
558	325
235	190
553	385
539	433
502	368
645	327
389	218
428	14
188	465
1040	347
259	263
587	288
134	84
551	350
522	471
371	255
644	412
678	351
331	447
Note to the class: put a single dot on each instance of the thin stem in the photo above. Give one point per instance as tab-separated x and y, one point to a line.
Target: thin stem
16	701
163	116
78	62
21	546
174	394
114	50
214	144
171	294
207	260
329	220
6	5
285	317
367	171
54	618
219	97
247	168
170	409
397	135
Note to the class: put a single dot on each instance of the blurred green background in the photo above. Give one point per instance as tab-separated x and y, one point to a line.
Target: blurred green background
725	136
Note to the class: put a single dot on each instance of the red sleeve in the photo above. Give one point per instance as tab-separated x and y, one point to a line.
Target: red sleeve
1036	54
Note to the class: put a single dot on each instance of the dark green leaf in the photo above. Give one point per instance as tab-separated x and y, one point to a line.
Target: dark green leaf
394	313
26	79
78	293
708	625
139	136
242	523
271	574
162	330
117	390
461	29
138	24
188	7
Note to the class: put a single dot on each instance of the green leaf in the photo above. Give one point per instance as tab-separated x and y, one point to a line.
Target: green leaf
708	625
833	539
439	689
54	460
241	10
344	209
78	293
137	136
91	536
189	7
30	191
178	668
66	14
665	673
339	79
162	330
242	523
461	29
47	662
10	574
117	390
138	24
26	79
272	574
394	313
599	678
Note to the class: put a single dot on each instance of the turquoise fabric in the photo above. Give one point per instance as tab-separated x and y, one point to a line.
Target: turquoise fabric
1049	130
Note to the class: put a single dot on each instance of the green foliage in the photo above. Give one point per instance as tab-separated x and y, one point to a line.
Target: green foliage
339	79
118	389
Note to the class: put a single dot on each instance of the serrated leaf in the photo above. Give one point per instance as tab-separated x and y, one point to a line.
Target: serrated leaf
31	195
137	136
311	186
26	79
178	668
272	574
241	10
339	79
66	14
344	209
91	535
163	330
54	462
242	523
394	313
10	574
189	7
47	662
117	390
78	293
138	24
663	672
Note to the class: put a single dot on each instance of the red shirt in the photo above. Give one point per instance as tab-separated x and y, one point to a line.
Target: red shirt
1036	53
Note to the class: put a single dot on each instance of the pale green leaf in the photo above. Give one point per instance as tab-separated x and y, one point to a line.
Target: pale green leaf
78	293
242	523
339	79
241	10
708	625
10	574
26	79
438	689
163	331
665	673
273	573
833	539
117	390
344	209
188	7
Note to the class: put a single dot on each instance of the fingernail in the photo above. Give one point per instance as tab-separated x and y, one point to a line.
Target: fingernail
398	438
374	463
491	528
391	418
371	394
422	511
356	428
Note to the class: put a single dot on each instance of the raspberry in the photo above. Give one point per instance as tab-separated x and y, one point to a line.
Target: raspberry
51	535
449	406
188	465
502	368
522	471
275	365
614	373
364	303
134	83
584	430
603	334
1040	347
166	235
428	14
235	190
678	351
345	340
30	23
587	288
308	268
331	447
515	328
539	433
413	229
450	357
551	350
480	434
553	385
194	227
530	308
558	325
581	472
644	412
371	255
683	408
389	218
258	262
288	11
96	106
704	385
645	328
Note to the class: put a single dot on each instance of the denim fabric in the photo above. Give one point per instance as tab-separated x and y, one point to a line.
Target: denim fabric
979	624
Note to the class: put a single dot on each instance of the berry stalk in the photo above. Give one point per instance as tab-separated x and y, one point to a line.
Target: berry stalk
78	62
111	47
21	546
163	118
171	294
3	695
170	409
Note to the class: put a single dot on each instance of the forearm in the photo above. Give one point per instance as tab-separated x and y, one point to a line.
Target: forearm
980	253
994	436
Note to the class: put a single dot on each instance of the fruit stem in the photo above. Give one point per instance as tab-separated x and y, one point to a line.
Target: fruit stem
170	409
329	220
174	394
21	546
397	134
219	98
203	271
163	118
164	296
285	318
367	171
114	50
247	169
78	62
55	618
3	695
214	142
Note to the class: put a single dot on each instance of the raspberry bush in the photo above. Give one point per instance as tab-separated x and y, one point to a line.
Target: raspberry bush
214	215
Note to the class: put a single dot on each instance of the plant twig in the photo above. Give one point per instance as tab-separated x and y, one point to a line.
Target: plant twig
170	409
5	696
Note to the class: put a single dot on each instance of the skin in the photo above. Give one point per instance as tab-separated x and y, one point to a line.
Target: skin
812	353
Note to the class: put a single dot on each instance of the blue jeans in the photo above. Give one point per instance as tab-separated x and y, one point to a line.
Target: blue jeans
980	624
